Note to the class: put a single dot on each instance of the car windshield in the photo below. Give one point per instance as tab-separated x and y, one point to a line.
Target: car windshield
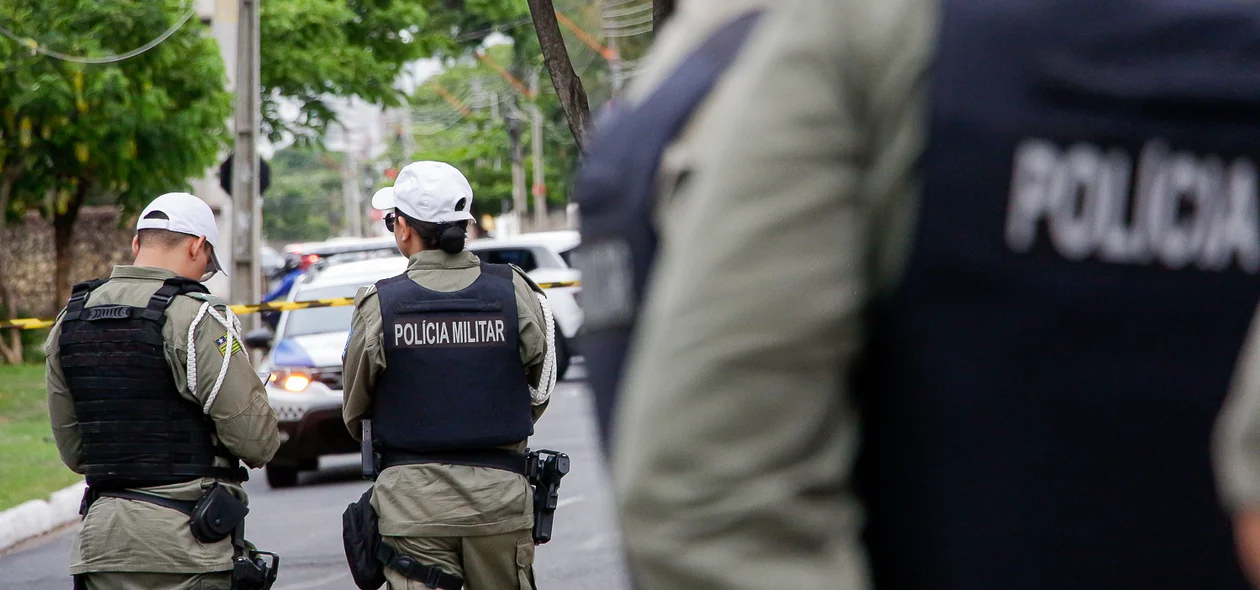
321	320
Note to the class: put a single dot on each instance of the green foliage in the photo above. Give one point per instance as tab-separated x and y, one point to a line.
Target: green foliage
315	49
127	130
304	202
478	144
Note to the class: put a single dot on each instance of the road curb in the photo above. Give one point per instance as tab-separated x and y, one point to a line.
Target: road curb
36	517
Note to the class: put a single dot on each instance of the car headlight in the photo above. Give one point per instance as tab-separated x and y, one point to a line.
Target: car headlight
290	380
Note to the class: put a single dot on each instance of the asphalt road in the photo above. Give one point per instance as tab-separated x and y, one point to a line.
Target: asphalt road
303	524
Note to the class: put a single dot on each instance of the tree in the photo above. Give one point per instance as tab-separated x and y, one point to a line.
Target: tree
304	202
564	79
315	49
467	134
123	131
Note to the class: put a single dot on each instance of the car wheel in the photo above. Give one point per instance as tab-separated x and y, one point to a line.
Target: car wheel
282	476
562	356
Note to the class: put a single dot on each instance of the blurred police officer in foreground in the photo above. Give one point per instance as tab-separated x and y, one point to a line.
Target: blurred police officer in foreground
447	359
153	399
641	154
951	303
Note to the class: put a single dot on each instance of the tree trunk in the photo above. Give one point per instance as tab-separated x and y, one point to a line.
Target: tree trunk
63	232
566	81
11	341
661	9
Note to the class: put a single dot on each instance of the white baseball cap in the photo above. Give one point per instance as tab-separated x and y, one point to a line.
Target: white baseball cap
428	191
185	214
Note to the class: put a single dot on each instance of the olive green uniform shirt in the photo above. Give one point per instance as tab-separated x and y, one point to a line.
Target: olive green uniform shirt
737	430
129	536
434	500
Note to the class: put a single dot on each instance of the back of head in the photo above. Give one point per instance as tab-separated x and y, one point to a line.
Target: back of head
447	237
435	200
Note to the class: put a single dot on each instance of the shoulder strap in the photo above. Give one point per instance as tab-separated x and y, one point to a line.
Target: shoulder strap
78	298
162	298
502	271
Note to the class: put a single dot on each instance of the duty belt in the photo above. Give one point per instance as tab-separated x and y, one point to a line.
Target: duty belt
491	458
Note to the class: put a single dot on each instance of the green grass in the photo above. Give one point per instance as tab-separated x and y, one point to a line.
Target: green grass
29	465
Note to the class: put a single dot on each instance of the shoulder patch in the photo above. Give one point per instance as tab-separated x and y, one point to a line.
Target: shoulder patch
221	342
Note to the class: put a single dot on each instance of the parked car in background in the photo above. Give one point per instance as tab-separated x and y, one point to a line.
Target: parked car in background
544	256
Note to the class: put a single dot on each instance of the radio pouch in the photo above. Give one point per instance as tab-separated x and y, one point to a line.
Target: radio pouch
216	514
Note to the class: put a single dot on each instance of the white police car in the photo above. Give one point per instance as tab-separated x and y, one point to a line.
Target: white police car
303	369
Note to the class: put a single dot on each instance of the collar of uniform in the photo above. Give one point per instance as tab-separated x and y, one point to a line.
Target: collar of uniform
127	271
434	259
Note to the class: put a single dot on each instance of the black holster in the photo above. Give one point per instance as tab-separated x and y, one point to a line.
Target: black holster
544	470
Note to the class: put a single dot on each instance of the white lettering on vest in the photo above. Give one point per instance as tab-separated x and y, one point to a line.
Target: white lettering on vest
416	333
1185	209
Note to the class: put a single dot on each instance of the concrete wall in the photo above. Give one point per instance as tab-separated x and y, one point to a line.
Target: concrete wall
100	242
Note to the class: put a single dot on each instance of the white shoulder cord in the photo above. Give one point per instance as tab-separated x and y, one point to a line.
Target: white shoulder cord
233	327
547	382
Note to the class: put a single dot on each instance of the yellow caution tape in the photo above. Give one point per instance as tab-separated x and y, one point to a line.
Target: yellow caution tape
243	309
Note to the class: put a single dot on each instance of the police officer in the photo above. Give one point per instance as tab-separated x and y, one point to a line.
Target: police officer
951	303
640	157
152	398
452	361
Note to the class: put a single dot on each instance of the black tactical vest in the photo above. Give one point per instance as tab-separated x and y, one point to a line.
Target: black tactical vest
453	378
136	428
615	189
1038	401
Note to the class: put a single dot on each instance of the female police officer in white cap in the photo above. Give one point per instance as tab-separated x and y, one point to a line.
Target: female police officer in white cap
448	360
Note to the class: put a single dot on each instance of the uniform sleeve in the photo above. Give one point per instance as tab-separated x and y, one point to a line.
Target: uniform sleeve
243	419
1237	435
363	361
65	425
737	433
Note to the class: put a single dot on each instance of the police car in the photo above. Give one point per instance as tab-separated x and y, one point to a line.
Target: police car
544	256
303	368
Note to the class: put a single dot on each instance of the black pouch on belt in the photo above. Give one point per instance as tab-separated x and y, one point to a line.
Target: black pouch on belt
362	540
216	514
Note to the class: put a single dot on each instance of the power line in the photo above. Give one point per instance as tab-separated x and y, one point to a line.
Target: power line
106	59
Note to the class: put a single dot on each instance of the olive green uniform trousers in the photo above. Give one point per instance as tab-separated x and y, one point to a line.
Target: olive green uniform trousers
486	562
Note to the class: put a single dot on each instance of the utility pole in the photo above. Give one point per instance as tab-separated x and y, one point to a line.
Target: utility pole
246	206
540	182
352	199
519	203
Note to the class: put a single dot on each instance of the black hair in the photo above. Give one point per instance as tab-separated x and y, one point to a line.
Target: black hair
447	237
160	238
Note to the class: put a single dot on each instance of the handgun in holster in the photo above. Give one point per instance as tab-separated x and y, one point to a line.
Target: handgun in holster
371	460
544	469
